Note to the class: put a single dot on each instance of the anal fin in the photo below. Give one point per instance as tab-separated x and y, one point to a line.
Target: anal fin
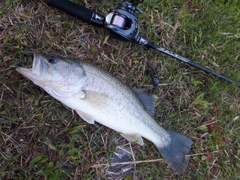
89	119
134	138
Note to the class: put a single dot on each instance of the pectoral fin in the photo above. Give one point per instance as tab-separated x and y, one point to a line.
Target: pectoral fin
89	119
81	94
134	138
95	99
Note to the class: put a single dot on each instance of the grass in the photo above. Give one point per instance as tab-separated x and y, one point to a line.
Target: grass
42	139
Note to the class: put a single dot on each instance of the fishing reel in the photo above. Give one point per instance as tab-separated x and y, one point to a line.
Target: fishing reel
122	23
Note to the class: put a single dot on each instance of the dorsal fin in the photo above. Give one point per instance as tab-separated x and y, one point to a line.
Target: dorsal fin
147	100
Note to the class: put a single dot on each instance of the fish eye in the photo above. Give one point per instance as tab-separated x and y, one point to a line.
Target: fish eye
52	60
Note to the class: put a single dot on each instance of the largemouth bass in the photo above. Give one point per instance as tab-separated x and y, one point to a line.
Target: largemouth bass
99	97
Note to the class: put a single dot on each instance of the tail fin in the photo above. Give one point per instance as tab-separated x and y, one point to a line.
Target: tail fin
175	152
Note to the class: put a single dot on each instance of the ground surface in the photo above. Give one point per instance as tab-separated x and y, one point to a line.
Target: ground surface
42	139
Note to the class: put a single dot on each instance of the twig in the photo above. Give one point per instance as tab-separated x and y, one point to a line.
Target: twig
202	153
213	122
130	162
144	161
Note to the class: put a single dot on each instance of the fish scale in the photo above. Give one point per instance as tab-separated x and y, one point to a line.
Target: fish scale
128	97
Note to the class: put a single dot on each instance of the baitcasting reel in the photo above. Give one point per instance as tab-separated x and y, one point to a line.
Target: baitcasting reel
122	23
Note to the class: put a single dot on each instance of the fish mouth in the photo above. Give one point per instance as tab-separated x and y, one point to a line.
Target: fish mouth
38	68
36	64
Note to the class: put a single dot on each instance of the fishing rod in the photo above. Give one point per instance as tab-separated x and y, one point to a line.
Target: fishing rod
122	23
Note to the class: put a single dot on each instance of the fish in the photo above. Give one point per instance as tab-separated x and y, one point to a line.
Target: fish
97	96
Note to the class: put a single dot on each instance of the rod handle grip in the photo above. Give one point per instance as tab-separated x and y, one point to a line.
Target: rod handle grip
80	12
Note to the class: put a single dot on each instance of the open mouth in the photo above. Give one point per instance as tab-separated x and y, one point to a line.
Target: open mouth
36	61
38	67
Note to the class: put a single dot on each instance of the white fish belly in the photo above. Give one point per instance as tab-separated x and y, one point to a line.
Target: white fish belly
122	119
